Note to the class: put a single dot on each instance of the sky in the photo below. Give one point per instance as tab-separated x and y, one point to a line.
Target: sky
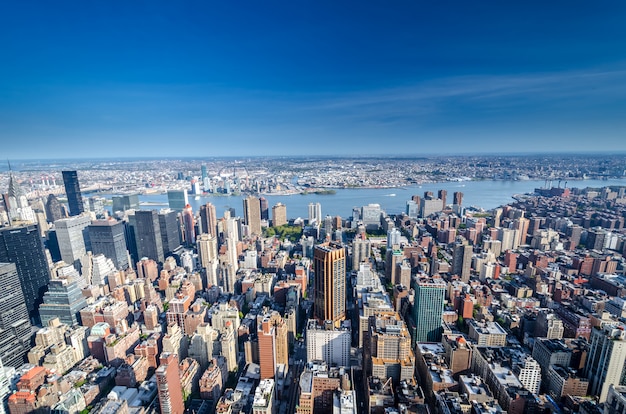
205	78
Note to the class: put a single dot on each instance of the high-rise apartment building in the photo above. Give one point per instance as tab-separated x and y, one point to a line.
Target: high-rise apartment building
606	362
443	195
330	283
107	238
208	257
169	388
148	235
315	213
370	215
428	309
279	215
14	323
273	346
72	190
22	246
462	260
388	352
361	251
457	205
252	214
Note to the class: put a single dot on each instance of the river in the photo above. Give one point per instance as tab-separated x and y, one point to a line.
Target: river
485	194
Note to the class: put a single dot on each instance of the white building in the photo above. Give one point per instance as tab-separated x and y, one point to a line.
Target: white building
264	398
328	344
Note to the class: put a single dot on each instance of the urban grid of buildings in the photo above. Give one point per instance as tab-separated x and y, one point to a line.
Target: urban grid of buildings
109	307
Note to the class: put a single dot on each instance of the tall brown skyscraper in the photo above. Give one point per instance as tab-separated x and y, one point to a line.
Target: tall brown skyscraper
279	215
209	219
330	283
252	214
442	194
169	388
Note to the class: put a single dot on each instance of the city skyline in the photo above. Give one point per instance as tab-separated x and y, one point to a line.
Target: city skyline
319	78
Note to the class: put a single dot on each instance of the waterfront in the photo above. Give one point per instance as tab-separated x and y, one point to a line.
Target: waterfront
486	194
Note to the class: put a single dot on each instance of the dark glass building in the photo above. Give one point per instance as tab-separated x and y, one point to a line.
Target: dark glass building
107	238
15	328
148	235
72	190
125	202
22	246
170	231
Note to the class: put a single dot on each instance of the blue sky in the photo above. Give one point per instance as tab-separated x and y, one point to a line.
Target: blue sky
151	78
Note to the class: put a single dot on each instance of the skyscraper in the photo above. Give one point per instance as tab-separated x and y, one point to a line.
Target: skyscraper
273	347
14	323
252	214
73	237
361	251
63	300
54	211
22	246
606	362
457	206
169	388
315	213
207	256
177	199
72	190
279	215
208	219
189	224
330	283
17	205
148	235
170	231
462	260
443	195
107	238
428	309
265	214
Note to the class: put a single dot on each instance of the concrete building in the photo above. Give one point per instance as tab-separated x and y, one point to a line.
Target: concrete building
486	333
328	343
264	398
73	237
607	358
